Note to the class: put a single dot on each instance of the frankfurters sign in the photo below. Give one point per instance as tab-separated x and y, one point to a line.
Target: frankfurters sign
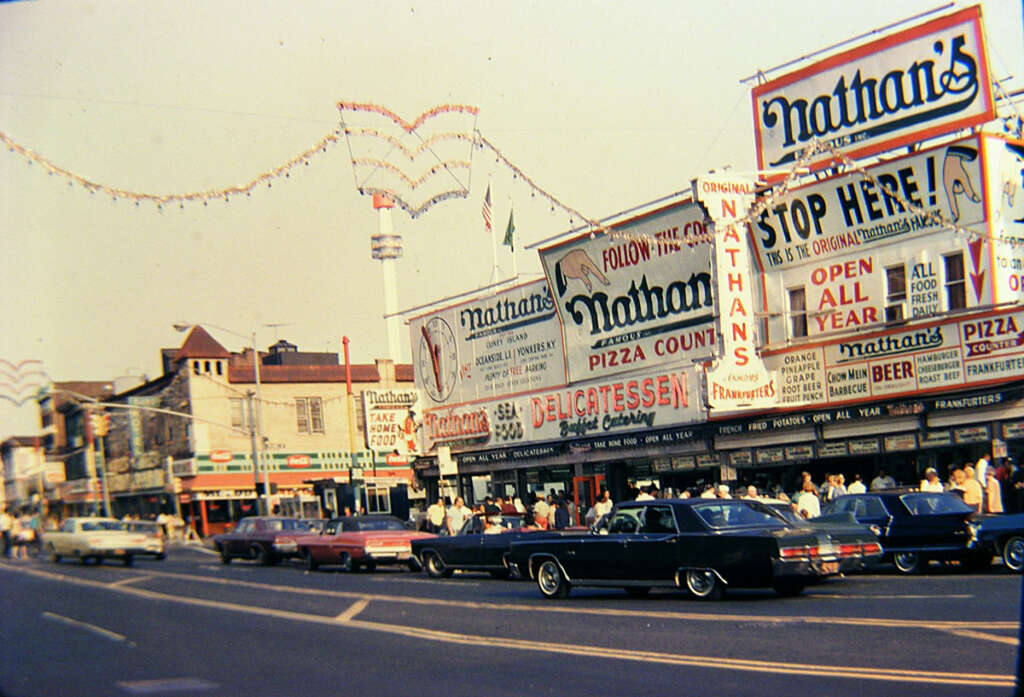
915	84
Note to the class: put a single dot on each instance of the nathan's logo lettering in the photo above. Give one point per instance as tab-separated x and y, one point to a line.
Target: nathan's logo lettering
506	314
453	426
891	345
995	334
870	103
641	303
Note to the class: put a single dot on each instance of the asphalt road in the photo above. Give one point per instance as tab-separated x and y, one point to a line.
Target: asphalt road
191	626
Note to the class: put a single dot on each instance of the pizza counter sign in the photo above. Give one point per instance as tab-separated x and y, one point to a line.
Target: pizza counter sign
638	301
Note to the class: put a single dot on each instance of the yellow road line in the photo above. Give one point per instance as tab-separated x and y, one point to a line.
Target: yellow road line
589	651
353	610
808	669
573	609
970	634
131	579
91	628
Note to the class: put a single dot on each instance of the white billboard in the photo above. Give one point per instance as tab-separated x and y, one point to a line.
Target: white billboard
915	84
500	344
392	418
637	302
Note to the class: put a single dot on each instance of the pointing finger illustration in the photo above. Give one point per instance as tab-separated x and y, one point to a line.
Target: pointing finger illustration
955	178
576	264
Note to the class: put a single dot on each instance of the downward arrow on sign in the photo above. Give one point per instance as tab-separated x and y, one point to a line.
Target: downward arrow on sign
978	281
975	247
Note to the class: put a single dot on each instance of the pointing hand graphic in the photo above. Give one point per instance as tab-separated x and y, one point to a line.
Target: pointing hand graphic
955	178
576	264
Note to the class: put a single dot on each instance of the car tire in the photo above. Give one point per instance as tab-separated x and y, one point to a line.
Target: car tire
637	591
225	558
551	581
1013	554
435	567
789	588
346	562
703	584
907	562
127	560
52	552
309	561
263	555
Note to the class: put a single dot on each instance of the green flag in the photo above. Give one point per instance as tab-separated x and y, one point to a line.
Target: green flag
509	231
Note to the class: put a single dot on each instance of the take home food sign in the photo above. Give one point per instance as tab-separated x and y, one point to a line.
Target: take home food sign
921	82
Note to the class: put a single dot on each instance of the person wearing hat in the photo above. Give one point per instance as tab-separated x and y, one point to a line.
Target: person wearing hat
931	481
492	520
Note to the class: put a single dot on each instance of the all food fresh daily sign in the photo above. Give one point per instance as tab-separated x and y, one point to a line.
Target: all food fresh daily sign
630	303
915	84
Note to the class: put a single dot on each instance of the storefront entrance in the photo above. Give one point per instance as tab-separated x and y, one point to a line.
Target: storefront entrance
585	491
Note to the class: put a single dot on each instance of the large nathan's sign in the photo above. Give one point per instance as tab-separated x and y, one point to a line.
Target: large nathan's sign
915	84
940	356
638	402
496	345
638	302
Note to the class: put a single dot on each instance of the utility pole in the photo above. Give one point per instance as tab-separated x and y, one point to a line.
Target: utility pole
260	504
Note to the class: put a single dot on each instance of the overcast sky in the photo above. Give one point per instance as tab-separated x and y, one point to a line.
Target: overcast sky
606	105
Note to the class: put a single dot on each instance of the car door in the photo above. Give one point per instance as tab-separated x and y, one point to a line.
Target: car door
930	521
603	556
464	549
653	553
237	537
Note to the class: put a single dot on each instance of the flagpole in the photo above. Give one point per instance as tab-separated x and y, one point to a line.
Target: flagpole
512	248
495	272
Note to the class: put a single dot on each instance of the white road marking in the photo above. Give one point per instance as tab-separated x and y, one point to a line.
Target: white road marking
175	685
353	610
589	651
91	628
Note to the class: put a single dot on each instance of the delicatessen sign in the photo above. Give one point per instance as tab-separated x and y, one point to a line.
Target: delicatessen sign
638	301
635	403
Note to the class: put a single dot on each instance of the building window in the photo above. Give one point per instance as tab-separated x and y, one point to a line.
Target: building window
206	367
238	414
797	312
195	367
956	286
220	367
309	414
895	293
377	499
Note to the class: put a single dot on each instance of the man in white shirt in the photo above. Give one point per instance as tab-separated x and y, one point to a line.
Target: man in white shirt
882	481
457	515
645	495
807	504
931	481
857	486
603	506
980	468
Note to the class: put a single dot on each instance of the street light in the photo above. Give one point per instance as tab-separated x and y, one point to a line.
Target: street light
261	501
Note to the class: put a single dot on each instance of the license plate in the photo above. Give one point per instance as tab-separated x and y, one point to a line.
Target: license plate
830	567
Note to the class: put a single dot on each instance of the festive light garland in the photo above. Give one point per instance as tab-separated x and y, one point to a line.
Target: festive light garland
396	143
409	127
284	170
413	183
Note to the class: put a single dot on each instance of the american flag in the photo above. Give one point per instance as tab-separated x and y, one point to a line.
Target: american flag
486	211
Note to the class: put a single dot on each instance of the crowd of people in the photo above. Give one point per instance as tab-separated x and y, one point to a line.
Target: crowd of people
22	531
554	511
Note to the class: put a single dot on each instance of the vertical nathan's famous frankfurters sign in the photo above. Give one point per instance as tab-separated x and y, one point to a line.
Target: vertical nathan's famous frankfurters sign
915	84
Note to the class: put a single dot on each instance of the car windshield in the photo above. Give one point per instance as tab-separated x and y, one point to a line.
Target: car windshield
734	514
368	524
275	524
934	504
96	525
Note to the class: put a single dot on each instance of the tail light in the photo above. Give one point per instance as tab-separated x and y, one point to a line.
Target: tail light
849	550
802	552
871	548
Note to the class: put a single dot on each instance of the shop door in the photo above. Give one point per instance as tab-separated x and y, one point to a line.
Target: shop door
585	491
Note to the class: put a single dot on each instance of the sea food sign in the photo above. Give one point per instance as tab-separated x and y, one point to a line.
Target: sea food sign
915	84
636	301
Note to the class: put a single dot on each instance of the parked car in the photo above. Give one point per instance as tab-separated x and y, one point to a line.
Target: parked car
842	527
916	527
702	545
268	540
94	539
354	542
471	549
999	535
155	546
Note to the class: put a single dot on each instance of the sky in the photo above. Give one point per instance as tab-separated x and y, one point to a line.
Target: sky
604	105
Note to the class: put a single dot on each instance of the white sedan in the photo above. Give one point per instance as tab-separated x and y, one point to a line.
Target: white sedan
94	539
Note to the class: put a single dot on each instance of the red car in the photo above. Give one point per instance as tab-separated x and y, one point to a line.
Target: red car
352	542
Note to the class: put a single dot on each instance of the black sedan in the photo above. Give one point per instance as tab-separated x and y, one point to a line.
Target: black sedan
471	548
916	527
702	545
1000	535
